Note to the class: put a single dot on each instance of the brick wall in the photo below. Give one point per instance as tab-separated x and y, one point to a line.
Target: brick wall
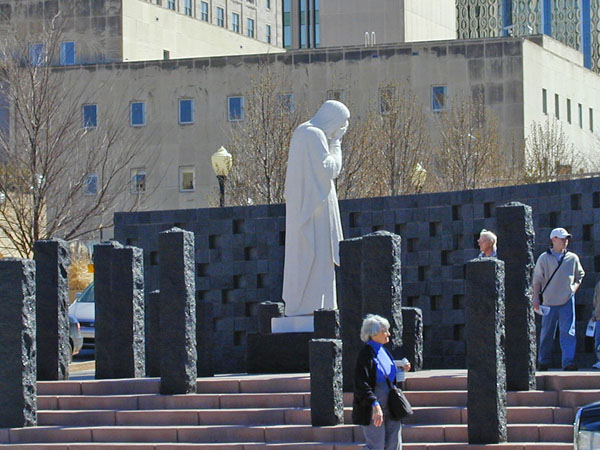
239	255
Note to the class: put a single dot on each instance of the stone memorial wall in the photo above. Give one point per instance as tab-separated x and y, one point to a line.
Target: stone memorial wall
239	256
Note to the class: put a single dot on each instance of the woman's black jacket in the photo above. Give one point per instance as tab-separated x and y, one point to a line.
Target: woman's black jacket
365	378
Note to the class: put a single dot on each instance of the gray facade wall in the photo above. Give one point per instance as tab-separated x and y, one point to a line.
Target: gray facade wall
239	255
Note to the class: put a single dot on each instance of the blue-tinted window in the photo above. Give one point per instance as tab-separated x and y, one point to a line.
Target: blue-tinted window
90	185
303	25
235	22
187	7
287	23
171	4
268	34
186	111
317	38
138	180
67	53
137	114
235	109
287	101
250	29
90	116
220	17
36	54
204	11
439	95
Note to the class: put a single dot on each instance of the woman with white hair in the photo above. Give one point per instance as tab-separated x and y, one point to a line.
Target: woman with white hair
369	407
488	244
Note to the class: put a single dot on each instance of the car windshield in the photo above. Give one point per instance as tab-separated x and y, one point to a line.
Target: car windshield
87	296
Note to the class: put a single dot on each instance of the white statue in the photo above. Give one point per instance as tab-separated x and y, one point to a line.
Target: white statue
312	223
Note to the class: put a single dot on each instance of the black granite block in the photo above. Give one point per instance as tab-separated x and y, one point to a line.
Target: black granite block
278	353
152	315
486	380
412	336
516	238
327	324
52	259
178	367
266	311
326	393
18	371
205	315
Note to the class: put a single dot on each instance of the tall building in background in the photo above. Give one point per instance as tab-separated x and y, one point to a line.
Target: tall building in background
337	23
575	23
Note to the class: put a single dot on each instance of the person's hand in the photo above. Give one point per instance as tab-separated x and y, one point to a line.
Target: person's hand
377	416
536	304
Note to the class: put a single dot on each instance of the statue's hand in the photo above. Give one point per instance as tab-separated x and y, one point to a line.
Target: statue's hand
337	136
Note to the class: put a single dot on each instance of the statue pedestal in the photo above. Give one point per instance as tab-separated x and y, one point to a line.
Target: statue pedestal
294	324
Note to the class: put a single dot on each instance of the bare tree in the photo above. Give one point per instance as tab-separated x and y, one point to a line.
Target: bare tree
469	154
549	156
259	143
60	175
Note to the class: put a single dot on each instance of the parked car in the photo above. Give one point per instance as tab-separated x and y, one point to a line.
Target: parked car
75	337
586	429
84	310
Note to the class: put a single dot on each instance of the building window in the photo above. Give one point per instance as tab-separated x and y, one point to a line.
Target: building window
166	54
220	17
287	23
268	4
287	102
569	110
303	24
90	116
336	94
187	7
36	54
171	4
557	106
186	111
580	115
90	184
235	22
317	29
544	101
138	180
235	109
591	120
204	11
250	30
268	34
385	96
137	114
67	53
439	96
187	179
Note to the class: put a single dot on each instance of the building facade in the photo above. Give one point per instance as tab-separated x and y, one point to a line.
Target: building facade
575	23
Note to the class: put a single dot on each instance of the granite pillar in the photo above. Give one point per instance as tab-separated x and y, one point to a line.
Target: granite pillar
486	380
326	393
412	336
327	324
152	315
267	311
52	260
18	388
371	283
204	339
516	238
119	298
178	365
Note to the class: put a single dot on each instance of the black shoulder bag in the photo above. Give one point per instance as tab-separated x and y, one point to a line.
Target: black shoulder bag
551	276
398	404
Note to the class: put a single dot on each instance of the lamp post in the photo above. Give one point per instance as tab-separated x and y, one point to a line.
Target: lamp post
221	162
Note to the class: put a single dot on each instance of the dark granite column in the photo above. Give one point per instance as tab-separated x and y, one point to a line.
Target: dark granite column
18	388
52	260
267	311
326	393
412	336
204	339
120	337
371	283
152	315
516	238
178	368
327	324
486	399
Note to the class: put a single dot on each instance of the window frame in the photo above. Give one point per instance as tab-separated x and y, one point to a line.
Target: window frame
133	174
336	94
569	118
557	106
171	4
443	106
591	119
36	53
250	24
64	53
84	114
287	100
204	11
580	107
220	17
131	114
188	8
544	101
268	37
86	184
192	108
230	117
235	22
183	170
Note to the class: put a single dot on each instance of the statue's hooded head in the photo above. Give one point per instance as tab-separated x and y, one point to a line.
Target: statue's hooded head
331	116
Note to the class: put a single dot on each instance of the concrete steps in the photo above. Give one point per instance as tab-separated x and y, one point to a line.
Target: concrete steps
273	412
